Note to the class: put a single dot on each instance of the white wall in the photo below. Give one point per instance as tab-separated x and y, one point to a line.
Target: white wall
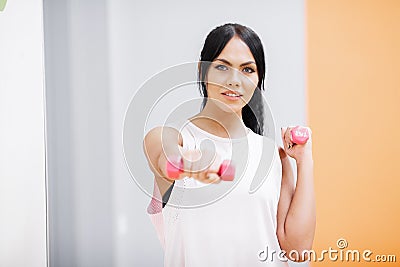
78	111
22	136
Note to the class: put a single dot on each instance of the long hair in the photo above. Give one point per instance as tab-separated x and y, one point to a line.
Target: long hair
216	40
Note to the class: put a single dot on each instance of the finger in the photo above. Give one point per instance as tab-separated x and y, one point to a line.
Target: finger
204	177
189	174
289	138
286	139
209	177
283	131
213	177
194	175
288	135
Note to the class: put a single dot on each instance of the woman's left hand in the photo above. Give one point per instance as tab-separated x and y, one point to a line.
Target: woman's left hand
299	152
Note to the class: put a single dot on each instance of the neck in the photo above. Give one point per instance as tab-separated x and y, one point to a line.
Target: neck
220	122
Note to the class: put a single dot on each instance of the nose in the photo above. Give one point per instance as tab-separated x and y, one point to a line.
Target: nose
233	79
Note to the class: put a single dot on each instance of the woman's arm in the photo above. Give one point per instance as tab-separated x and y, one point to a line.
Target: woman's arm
296	216
155	150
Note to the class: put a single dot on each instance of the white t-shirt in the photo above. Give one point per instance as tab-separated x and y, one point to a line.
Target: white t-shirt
232	223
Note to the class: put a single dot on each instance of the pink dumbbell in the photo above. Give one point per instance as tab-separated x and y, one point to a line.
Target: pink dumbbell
175	168
300	135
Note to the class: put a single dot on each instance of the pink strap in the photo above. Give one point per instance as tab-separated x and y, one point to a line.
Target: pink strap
154	210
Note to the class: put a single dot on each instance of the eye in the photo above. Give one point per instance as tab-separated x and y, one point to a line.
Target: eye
221	67
249	70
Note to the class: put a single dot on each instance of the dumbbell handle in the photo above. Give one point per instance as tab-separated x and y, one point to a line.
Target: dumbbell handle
175	168
300	135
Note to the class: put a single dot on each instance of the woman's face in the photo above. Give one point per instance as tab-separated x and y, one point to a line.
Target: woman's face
232	77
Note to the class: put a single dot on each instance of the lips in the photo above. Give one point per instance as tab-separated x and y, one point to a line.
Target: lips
232	94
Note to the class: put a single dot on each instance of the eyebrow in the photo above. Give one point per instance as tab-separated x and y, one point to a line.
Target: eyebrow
227	62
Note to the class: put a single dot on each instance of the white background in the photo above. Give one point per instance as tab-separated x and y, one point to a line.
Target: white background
22	140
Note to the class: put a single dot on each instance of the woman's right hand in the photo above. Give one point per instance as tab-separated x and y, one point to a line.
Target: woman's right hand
162	143
202	165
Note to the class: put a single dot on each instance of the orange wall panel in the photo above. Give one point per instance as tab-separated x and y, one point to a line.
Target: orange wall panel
353	88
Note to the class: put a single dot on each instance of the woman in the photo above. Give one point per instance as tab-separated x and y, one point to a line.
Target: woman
240	229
